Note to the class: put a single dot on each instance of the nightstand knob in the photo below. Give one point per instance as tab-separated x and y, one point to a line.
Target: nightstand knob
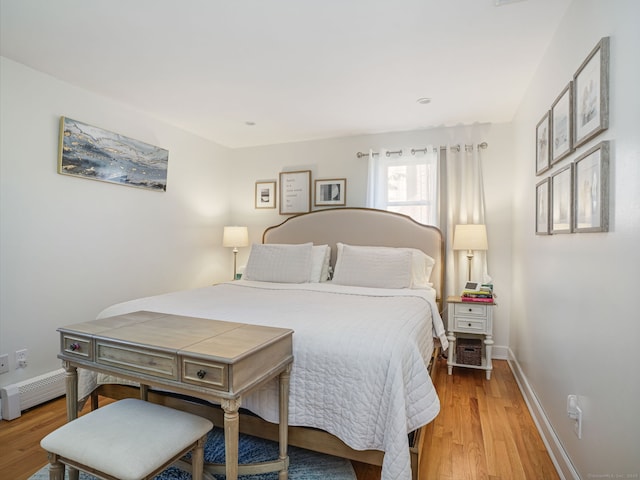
471	310
469	323
74	346
201	374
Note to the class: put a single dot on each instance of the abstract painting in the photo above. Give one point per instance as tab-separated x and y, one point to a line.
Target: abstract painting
91	152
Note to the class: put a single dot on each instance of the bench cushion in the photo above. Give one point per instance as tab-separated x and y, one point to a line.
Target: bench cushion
127	439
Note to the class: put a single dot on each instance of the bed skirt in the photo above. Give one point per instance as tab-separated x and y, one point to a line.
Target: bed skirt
250	424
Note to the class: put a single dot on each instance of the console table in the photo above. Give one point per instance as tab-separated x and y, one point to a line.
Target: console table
210	359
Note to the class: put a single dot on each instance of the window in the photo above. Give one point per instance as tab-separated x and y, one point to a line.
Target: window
405	184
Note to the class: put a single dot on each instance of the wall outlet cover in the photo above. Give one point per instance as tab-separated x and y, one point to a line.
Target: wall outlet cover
4	363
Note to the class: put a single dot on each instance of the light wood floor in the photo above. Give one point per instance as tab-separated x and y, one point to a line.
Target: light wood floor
483	431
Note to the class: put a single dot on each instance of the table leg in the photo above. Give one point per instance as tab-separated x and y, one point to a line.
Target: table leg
71	385
144	392
231	437
488	342
451	337
94	400
284	421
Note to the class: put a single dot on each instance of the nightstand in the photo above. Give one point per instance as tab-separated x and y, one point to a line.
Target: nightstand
470	320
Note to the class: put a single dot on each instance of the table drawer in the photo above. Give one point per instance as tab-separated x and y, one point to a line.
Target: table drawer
470	309
469	324
77	346
206	374
150	362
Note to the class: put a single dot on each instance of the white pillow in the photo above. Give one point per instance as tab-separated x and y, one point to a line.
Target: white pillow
279	263
377	267
421	265
320	257
421	268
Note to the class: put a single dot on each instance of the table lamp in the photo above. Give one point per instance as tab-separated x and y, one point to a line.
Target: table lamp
235	237
470	237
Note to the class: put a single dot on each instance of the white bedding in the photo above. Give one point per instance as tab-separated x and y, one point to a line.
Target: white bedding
360	356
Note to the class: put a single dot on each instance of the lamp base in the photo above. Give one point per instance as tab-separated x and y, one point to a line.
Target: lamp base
469	260
235	262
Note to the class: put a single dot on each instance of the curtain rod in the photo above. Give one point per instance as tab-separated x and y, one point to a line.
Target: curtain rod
425	150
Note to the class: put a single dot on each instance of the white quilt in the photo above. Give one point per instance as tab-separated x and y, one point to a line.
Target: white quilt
360	356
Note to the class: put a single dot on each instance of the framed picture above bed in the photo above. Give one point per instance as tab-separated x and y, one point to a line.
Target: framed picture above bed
265	195
591	94
591	190
295	192
332	192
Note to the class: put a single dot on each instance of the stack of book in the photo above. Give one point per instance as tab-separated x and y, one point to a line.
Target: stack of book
483	295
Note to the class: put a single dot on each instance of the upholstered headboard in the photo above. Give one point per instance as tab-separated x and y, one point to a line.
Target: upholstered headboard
363	226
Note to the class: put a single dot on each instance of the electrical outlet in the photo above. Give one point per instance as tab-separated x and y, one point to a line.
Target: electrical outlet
4	363
21	358
574	412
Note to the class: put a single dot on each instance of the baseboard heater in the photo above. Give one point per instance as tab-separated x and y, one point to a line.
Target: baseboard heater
20	396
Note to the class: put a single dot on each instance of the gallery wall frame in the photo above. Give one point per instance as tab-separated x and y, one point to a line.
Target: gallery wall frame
591	190
543	147
330	192
265	195
93	153
295	192
562	200
591	94
562	125
543	195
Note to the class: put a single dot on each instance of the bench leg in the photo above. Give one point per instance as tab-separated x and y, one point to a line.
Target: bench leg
56	468
197	460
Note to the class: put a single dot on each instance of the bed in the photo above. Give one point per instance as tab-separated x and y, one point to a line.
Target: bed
360	386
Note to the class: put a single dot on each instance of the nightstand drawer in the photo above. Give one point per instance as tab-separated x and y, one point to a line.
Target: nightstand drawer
207	374
474	325
470	309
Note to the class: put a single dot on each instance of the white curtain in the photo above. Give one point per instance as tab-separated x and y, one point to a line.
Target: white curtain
376	183
465	205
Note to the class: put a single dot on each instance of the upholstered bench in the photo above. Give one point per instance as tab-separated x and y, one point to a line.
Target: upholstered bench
127	440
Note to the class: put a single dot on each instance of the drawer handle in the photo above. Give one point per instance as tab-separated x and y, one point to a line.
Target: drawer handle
201	374
469	323
471	309
74	346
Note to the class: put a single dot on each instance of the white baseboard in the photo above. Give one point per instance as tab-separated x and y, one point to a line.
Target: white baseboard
558	455
500	352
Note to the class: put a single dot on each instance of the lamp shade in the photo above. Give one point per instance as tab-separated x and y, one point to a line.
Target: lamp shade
470	237
235	237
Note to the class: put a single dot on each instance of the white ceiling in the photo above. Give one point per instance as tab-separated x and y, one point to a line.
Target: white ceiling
299	69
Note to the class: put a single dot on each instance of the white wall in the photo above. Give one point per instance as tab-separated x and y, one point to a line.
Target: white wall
70	246
336	158
575	323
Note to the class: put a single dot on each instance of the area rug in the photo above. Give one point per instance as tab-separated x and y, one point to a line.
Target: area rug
303	464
